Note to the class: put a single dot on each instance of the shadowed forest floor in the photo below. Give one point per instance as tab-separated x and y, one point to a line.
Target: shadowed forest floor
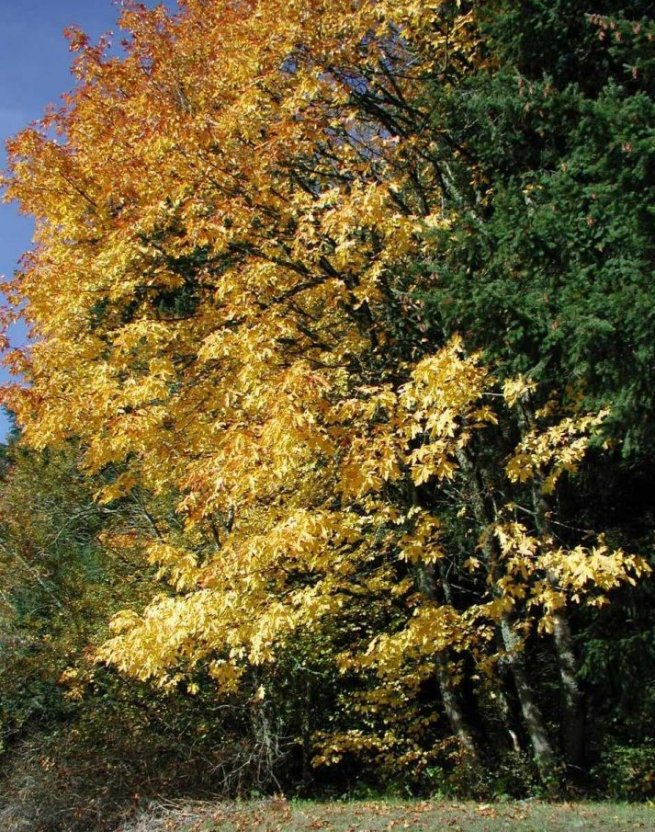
278	815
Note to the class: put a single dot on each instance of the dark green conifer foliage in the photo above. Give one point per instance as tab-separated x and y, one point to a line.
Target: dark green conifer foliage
553	148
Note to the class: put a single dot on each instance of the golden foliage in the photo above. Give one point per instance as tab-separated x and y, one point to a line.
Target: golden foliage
223	310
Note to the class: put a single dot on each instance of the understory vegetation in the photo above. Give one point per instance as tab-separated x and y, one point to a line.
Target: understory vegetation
333	464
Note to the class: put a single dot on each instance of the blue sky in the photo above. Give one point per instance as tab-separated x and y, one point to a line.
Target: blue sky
34	71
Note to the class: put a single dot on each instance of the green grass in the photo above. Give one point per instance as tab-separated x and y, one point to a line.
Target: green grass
278	815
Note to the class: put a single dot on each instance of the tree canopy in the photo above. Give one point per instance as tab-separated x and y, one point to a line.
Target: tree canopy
363	292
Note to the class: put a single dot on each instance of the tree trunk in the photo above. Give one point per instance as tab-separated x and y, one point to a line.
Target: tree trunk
574	718
507	717
306	737
453	707
574	733
450	696
534	722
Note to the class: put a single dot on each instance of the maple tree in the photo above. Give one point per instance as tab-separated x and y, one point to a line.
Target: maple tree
231	302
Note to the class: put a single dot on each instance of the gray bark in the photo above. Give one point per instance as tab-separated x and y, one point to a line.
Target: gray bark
453	708
574	733
451	699
534	722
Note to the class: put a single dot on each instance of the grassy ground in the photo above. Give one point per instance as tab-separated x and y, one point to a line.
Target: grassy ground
278	815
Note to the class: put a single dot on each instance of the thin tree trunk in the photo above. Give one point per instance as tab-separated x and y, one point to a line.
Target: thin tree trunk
534	722
507	717
574	729
449	693
453	707
574	717
505	709
306	736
